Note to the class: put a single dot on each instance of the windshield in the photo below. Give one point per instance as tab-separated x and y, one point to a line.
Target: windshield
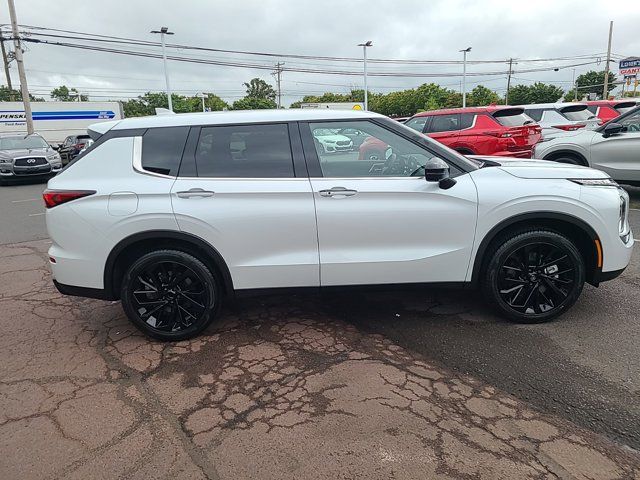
579	114
512	117
21	142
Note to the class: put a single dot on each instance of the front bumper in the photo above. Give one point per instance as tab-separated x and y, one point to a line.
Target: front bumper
8	170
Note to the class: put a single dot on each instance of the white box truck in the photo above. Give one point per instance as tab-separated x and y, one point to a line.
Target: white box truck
57	120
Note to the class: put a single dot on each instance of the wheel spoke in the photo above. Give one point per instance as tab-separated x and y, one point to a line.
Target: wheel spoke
199	305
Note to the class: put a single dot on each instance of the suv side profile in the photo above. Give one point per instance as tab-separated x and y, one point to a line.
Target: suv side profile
556	118
607	110
500	131
172	214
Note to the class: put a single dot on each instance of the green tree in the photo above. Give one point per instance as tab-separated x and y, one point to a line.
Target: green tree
519	95
66	94
147	103
253	103
544	93
258	88
6	94
481	96
593	82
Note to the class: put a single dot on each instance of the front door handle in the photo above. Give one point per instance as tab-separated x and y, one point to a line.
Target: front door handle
195	192
337	192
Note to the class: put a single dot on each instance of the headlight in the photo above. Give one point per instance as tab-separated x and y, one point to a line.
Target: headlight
623	223
595	182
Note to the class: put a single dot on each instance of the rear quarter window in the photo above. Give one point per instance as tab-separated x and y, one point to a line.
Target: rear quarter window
512	117
162	149
577	114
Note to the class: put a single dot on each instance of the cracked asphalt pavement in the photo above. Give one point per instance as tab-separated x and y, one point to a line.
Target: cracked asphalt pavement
282	387
420	384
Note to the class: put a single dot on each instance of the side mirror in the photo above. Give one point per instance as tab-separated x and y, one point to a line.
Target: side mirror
437	170
55	147
612	128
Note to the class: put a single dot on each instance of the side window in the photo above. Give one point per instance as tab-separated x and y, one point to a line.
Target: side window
593	109
444	123
632	122
417	123
466	120
162	149
245	151
67	141
383	153
535	113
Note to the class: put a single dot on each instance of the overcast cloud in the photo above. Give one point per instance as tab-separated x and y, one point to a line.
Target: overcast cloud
426	29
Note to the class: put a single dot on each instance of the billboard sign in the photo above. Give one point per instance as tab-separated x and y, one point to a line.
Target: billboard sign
630	66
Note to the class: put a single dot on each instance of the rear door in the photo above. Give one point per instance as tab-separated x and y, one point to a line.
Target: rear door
244	189
619	155
444	128
380	221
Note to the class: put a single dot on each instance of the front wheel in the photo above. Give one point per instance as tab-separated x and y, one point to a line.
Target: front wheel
533	276
170	295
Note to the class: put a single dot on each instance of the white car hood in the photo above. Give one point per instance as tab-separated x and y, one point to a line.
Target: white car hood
334	138
542	169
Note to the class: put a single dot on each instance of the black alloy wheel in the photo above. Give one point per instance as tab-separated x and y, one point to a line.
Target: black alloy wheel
534	276
169	295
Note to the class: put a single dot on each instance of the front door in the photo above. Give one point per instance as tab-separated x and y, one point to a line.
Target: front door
619	155
238	190
380	221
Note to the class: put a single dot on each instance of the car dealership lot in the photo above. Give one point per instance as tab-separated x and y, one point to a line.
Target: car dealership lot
361	384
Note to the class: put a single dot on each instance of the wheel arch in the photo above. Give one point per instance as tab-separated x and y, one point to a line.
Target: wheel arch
568	153
138	244
577	230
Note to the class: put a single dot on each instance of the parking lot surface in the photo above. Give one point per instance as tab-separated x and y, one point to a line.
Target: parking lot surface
280	388
418	384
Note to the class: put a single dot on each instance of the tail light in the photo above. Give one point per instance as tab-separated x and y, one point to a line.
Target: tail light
78	145
53	198
570	128
500	134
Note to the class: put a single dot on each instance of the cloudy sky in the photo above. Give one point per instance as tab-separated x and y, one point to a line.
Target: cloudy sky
407	29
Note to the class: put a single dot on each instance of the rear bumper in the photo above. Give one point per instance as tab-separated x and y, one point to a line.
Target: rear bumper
514	154
81	291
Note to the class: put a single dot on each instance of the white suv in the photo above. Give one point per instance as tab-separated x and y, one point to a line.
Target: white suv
173	213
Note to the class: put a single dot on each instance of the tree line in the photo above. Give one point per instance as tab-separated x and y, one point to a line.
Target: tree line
430	96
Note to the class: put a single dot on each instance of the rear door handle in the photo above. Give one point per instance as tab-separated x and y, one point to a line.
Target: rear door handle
337	192
195	192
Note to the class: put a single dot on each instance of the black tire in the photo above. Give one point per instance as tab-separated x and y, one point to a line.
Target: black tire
533	276
170	295
569	159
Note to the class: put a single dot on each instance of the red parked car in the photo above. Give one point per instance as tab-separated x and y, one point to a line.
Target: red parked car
607	110
493	130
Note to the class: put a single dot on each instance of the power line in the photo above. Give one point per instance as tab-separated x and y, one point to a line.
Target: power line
75	35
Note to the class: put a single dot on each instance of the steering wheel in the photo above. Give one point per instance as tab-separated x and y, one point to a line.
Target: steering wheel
400	166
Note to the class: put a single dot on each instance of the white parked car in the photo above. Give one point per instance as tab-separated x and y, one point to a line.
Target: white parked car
557	118
613	148
331	141
171	214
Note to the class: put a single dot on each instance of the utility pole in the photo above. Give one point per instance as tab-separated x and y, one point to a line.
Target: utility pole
6	66
165	31
506	97
575	87
278	73
23	77
605	91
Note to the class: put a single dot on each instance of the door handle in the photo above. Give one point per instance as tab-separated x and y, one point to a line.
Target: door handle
337	192
195	192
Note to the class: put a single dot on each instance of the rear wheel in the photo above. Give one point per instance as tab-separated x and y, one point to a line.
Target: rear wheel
170	295
533	276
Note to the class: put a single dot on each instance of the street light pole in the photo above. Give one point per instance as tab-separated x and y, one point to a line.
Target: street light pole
575	87
165	31
203	96
364	46
21	73
464	76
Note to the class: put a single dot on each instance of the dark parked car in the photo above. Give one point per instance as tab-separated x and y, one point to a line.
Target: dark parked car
71	147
